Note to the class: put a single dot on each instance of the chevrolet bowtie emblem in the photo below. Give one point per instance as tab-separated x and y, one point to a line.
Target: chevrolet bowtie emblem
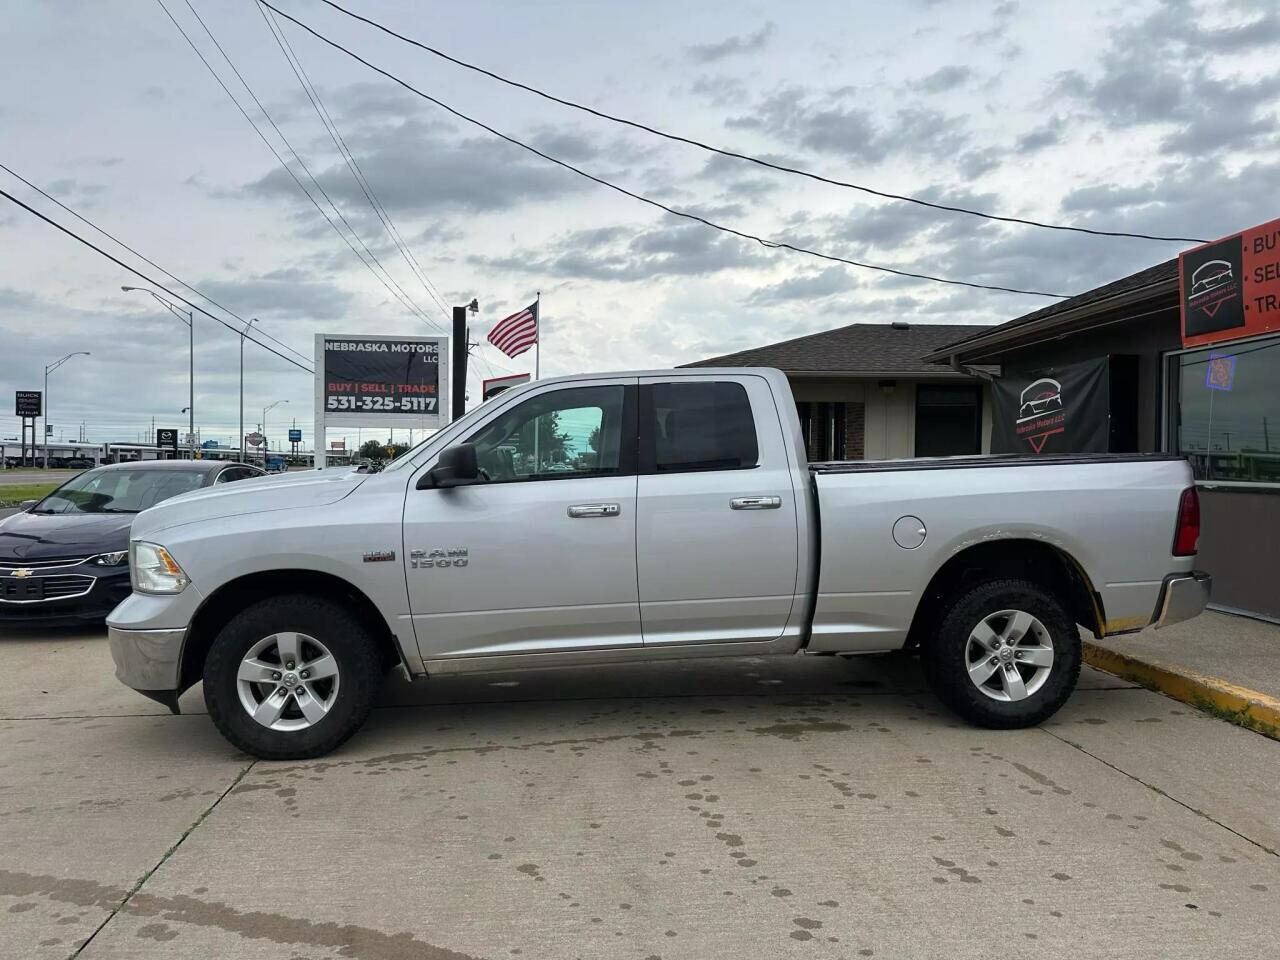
22	572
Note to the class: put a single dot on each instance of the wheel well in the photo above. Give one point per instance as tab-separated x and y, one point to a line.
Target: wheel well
1051	568
235	595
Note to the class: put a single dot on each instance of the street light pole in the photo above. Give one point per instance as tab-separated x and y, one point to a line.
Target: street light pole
265	445
48	370
189	319
191	383
243	334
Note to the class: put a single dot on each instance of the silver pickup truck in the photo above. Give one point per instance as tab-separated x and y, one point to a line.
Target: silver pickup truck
614	517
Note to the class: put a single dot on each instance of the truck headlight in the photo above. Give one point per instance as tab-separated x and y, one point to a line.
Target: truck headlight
153	570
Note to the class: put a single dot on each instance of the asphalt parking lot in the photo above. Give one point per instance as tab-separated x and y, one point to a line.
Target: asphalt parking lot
736	809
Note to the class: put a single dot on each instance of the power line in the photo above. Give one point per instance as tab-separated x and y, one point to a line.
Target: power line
146	259
403	298
353	164
759	161
772	244
331	128
138	273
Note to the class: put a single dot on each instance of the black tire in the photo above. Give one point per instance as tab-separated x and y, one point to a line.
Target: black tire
946	659
348	641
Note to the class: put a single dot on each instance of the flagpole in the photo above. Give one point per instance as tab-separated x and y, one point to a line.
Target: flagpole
537	365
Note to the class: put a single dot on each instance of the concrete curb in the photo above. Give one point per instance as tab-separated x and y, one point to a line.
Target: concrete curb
1239	705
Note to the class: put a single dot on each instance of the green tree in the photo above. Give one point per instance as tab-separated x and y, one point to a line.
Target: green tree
373	450
543	435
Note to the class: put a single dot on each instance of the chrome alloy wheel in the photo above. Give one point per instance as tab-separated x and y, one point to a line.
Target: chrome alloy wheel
287	681
1009	655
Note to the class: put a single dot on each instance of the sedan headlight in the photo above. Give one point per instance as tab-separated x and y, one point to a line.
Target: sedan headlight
153	570
110	559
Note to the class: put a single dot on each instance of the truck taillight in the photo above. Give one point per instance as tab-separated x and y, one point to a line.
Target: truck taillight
1187	538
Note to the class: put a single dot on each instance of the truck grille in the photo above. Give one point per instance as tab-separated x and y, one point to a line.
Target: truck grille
33	589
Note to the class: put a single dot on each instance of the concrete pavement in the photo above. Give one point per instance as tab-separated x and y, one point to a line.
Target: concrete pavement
1226	664
740	808
1240	650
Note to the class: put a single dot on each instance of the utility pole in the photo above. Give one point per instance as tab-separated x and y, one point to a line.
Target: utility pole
458	402
461	347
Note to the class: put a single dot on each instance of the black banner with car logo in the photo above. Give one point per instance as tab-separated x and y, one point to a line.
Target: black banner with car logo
1065	409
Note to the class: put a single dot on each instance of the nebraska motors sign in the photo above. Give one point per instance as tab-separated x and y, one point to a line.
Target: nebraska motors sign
363	380
1230	288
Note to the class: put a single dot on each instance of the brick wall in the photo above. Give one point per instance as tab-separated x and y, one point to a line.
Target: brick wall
855	431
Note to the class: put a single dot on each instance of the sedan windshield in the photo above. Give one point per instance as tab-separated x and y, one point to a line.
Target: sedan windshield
118	491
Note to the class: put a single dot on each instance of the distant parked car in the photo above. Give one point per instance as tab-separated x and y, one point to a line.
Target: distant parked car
65	559
77	463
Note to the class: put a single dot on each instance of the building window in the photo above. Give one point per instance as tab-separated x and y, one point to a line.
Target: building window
832	431
1226	418
948	420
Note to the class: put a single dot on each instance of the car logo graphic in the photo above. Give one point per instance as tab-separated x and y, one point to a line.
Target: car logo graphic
1209	276
22	572
1041	397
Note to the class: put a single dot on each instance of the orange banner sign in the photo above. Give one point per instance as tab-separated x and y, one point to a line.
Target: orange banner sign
1231	288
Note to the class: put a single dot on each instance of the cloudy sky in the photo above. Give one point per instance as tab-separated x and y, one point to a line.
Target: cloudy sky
1154	117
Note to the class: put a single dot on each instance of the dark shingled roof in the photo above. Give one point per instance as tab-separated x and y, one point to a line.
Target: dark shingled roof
1161	276
868	348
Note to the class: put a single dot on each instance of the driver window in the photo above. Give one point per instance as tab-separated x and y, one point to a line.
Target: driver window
565	433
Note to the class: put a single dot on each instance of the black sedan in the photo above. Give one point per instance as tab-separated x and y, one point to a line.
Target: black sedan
65	559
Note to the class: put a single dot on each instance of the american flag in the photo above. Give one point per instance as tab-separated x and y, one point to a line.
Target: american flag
518	332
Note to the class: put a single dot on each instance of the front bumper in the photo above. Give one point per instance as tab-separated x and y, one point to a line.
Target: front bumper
1183	596
149	661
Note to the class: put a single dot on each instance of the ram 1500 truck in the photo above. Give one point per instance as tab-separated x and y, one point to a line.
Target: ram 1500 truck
614	517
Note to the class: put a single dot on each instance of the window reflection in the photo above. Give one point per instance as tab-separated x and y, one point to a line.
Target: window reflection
1228	417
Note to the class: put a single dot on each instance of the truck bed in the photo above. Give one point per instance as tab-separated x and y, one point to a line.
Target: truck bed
888	527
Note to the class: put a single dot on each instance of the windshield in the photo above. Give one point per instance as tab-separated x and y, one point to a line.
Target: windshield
118	491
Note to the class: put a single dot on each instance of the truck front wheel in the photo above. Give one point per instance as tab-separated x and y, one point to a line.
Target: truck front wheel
1004	655
291	677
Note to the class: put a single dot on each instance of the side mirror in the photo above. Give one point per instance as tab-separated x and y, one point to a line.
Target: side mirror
26	505
457	466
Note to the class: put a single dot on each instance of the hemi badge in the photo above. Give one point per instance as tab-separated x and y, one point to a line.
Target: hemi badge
379	556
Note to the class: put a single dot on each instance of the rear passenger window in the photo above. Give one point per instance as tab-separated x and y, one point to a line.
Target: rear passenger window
702	425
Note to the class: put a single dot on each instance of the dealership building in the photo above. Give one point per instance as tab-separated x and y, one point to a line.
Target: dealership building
1218	404
864	393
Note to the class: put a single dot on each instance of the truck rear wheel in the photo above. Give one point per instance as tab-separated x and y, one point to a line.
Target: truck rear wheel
1004	655
291	677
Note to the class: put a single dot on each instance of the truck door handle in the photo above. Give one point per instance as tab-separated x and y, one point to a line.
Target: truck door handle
579	510
755	503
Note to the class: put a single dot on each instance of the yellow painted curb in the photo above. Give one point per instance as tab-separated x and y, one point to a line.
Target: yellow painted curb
1239	705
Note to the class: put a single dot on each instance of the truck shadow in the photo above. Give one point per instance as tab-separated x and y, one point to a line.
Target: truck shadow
757	677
